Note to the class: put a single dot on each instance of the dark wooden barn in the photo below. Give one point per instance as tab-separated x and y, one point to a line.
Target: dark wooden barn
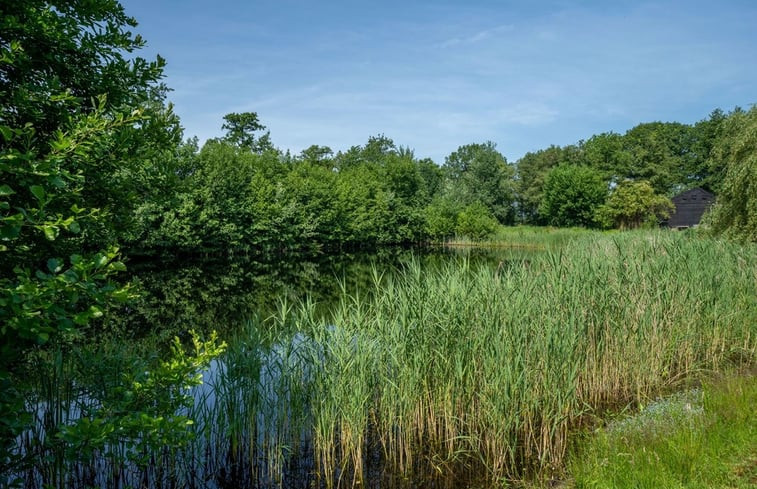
689	207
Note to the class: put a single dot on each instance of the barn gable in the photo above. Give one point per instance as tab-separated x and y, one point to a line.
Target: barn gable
689	207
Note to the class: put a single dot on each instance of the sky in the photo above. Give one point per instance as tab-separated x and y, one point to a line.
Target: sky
436	74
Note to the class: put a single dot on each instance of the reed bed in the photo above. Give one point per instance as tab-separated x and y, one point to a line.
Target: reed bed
467	371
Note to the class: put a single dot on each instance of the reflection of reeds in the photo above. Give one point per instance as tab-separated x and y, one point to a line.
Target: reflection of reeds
466	370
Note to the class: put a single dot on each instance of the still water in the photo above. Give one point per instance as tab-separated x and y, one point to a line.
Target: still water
223	295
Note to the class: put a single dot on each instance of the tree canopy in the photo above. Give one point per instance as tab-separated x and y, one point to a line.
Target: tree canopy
572	195
735	211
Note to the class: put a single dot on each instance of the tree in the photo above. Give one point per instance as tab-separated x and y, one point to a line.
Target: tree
571	196
735	212
318	155
241	129
633	204
532	170
606	153
479	173
476	222
704	171
82	128
660	154
65	60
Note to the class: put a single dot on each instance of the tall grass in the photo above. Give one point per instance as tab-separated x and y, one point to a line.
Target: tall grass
523	237
471	371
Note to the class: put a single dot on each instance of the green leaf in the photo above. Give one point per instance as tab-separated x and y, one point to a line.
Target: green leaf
51	232
95	312
7	133
101	260
56	181
54	265
10	231
6	190
82	318
74	227
38	192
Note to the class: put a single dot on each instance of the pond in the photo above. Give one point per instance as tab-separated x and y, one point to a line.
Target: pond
253	417
223	295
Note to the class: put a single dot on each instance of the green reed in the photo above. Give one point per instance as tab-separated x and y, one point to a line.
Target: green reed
467	370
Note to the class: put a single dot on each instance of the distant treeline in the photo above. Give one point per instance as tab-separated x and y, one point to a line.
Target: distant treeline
240	194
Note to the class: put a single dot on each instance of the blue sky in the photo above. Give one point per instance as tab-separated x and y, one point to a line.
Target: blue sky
434	75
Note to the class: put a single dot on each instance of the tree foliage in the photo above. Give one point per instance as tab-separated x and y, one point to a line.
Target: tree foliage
241	129
735	211
83	134
479	173
532	171
572	195
633	204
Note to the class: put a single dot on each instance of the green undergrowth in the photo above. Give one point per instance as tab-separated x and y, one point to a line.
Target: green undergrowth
700	438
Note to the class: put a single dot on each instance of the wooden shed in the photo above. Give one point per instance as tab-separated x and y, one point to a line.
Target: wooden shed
689	207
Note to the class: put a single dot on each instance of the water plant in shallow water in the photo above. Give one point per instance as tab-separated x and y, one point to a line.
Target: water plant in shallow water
468	370
110	417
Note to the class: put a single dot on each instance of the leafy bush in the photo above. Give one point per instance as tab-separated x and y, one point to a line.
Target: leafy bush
476	222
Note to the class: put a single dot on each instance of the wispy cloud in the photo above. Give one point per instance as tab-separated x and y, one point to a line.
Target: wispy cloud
476	37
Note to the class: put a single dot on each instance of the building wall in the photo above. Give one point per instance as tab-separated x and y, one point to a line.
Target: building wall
690	206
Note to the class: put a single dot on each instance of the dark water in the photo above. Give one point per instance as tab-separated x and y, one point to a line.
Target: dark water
222	295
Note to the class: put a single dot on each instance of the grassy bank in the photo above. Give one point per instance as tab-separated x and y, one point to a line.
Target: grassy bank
526	237
464	372
701	438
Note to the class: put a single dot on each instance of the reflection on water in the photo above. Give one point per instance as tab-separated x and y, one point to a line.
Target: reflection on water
223	295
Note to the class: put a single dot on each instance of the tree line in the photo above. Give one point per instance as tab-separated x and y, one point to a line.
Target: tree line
239	193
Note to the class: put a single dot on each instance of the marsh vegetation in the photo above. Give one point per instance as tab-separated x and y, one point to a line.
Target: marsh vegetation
469	370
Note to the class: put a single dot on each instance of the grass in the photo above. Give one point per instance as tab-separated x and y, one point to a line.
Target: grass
525	237
706	438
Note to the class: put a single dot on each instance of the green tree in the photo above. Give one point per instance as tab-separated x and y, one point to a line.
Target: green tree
660	154
64	60
704	171
532	170
607	153
319	155
735	212
441	218
476	222
572	195
241	129
633	204
479	173
82	128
